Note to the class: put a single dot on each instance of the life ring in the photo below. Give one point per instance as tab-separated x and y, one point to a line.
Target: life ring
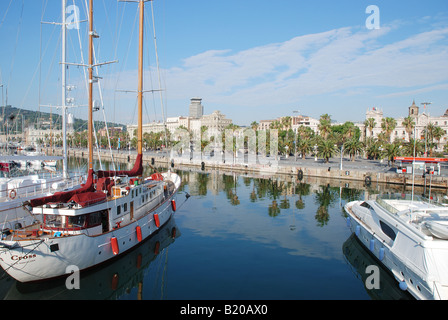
12	194
300	174
368	180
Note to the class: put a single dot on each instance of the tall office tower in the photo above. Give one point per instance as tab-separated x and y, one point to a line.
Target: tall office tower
196	108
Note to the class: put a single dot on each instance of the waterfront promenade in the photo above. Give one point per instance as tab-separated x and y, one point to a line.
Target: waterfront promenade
367	171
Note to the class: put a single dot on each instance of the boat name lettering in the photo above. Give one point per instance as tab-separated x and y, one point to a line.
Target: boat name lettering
18	258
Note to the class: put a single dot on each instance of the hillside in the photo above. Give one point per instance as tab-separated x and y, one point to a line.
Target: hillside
15	118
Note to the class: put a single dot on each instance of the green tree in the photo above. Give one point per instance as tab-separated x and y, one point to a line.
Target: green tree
352	147
370	123
388	125
409	125
326	149
324	125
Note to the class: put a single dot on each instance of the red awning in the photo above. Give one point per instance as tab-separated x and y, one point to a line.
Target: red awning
88	198
421	159
64	196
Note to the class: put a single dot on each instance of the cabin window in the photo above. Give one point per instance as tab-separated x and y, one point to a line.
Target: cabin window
76	221
95	218
53	220
388	231
366	205
125	207
85	221
118	210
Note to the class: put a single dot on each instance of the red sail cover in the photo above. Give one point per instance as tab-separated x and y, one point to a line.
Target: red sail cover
88	198
64	196
137	170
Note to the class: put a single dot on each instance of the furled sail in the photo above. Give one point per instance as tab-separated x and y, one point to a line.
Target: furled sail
137	170
65	196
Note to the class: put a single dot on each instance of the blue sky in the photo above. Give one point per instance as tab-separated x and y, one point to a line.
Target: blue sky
252	60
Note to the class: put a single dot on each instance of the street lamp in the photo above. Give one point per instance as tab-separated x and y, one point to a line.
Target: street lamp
295	136
427	118
342	147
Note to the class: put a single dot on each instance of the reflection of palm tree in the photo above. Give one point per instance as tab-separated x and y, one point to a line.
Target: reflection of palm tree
273	209
322	216
234	201
302	189
300	204
284	204
202	183
324	198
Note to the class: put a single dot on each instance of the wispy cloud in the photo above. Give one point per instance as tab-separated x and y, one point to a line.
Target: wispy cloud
340	60
340	64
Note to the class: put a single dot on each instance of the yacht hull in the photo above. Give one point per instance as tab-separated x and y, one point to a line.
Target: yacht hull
410	258
42	259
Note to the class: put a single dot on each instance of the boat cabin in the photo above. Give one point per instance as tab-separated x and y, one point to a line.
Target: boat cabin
94	213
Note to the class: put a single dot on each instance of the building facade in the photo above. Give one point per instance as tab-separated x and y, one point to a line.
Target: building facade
215	122
196	108
421	120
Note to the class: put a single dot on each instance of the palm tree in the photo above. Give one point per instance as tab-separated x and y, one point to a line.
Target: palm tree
275	125
388	125
324	125
438	134
286	122
391	151
303	146
373	148
254	125
429	135
352	147
408	148
326	149
370	123
409	125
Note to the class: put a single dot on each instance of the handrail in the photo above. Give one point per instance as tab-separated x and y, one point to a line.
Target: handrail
38	188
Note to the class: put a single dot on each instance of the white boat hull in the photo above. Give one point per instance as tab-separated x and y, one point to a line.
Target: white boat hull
35	260
411	275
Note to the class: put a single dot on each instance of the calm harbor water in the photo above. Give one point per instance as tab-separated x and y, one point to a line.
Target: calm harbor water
238	237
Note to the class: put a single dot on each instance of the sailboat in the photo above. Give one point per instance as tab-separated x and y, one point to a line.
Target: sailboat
15	190
113	212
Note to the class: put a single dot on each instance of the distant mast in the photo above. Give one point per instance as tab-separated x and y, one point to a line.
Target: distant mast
140	79
64	92
90	67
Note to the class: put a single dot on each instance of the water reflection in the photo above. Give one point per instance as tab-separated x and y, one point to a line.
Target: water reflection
359	259
244	236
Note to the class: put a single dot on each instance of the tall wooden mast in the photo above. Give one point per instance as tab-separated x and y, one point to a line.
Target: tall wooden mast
140	78
90	67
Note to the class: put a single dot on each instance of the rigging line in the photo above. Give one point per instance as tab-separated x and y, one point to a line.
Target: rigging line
38	69
158	73
15	45
128	49
151	84
40	59
4	16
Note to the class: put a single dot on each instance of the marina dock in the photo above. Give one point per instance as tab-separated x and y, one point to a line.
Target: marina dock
361	170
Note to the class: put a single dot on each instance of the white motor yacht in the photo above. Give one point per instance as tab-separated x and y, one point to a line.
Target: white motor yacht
408	234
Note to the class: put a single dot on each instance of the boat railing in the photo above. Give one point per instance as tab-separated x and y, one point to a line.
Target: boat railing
35	189
437	209
386	206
